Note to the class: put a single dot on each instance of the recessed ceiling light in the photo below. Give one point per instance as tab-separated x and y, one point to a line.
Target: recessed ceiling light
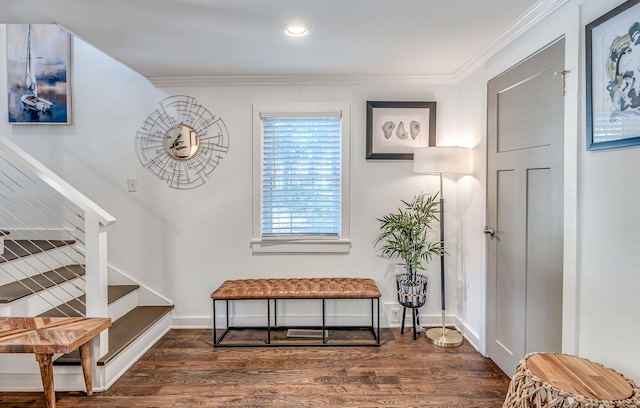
296	30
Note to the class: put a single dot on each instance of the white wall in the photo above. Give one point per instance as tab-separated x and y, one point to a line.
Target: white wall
601	257
184	243
609	277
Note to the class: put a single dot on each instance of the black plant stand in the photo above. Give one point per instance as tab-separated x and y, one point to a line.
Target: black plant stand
412	294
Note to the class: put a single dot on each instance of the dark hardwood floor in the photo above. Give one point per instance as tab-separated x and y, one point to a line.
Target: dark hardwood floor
184	370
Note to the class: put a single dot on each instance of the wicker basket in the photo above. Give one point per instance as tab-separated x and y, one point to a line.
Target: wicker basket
527	390
412	289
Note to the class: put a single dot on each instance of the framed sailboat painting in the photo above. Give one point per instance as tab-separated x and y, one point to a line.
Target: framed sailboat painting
38	74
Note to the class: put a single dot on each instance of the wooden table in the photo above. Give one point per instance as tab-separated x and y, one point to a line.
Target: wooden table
46	336
562	380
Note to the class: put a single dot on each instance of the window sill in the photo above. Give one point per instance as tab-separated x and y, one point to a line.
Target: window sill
342	246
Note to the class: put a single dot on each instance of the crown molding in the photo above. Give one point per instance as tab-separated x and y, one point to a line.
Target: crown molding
171	82
536	13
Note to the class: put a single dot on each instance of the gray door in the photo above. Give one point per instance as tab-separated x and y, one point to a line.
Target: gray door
524	207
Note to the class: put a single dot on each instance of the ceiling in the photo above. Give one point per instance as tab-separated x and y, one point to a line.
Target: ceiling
244	38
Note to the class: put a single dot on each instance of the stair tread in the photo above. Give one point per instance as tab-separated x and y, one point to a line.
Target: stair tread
130	326
36	283
123	332
14	249
77	307
118	291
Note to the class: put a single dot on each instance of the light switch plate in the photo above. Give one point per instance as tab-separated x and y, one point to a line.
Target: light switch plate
132	184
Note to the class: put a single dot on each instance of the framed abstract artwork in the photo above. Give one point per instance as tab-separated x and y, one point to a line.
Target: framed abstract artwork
38	74
613	78
396	129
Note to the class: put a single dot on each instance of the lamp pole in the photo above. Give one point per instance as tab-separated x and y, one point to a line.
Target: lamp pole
441	336
442	160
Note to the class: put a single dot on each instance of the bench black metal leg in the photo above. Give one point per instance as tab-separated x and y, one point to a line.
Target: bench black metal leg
378	339
372	313
324	321
275	312
214	322
268	321
217	339
227	304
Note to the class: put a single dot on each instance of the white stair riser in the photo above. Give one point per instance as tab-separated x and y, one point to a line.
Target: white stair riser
20	372
36	304
36	264
123	305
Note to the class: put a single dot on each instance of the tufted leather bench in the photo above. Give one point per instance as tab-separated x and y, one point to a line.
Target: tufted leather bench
273	290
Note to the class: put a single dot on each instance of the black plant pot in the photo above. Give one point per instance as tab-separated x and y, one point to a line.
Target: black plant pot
412	289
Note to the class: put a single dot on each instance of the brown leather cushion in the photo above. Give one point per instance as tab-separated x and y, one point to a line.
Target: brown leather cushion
306	288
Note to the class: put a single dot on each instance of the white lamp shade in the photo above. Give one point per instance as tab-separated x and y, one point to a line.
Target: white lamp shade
440	159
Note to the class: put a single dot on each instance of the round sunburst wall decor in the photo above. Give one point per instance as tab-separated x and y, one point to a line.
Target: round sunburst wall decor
181	142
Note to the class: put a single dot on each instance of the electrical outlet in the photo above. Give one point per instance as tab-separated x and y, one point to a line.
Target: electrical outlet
393	313
395	316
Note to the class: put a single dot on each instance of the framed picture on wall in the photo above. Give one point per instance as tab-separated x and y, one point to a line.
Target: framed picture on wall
396	129
38	74
613	78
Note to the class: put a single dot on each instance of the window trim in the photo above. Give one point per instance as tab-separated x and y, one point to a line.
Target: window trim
316	245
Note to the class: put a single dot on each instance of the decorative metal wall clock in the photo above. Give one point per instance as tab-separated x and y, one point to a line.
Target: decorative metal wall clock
181	142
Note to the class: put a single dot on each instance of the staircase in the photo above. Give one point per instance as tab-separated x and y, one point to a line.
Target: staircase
53	262
136	327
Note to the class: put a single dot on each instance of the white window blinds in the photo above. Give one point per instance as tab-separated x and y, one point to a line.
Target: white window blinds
301	176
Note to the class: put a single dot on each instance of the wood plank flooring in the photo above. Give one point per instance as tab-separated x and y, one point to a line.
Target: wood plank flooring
184	370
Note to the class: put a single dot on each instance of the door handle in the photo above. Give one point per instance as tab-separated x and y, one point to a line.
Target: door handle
489	230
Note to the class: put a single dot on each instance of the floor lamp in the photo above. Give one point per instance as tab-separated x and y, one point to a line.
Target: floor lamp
442	160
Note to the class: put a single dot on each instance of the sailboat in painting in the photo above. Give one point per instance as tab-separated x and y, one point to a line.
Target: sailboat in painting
30	100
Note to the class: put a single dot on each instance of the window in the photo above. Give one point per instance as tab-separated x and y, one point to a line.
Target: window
301	180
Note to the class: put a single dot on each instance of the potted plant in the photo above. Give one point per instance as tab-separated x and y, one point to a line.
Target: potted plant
404	236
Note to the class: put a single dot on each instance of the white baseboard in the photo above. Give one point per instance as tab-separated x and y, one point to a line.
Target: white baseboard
206	322
193	322
470	335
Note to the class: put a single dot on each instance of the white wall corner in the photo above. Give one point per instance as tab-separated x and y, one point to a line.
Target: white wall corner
146	295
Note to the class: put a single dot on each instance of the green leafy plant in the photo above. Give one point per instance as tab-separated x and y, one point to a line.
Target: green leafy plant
404	234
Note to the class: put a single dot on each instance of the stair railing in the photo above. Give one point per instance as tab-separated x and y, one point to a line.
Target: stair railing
37	199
